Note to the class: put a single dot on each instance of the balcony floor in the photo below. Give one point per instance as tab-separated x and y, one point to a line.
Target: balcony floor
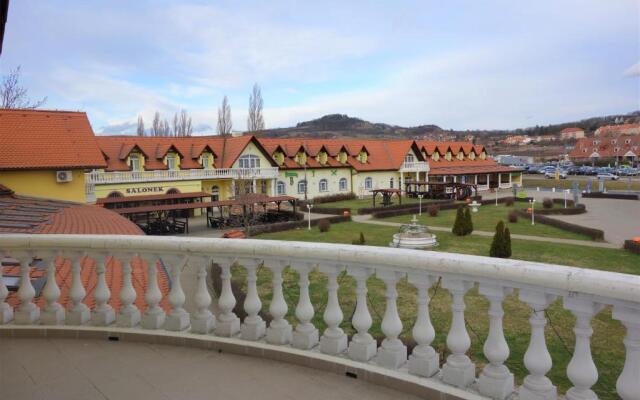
90	369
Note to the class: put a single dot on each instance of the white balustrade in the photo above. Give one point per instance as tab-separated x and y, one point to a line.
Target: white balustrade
99	177
584	293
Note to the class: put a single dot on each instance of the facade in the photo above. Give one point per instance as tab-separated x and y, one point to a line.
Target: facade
571	133
618	148
622	129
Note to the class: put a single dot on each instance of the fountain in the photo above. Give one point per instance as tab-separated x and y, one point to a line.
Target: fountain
414	236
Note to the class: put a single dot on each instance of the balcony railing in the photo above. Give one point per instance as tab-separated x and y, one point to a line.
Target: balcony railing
584	293
415	166
98	177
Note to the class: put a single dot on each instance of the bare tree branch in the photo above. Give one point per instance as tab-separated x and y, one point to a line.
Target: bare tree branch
140	129
255	121
13	95
224	118
156	127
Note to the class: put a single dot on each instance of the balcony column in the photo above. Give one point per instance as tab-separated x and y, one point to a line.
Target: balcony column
392	353
424	360
582	371
333	340
154	316
6	312
273	186
178	318
128	315
458	370
306	334
53	312
363	346
102	314
628	384
228	323
79	313
253	327
27	312
280	330
203	320
537	360
496	381
401	182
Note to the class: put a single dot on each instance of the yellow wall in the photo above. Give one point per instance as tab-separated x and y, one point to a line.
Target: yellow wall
314	175
252	149
223	185
147	188
381	180
43	184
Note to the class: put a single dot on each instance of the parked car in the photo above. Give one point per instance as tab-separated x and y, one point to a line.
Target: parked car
608	176
552	174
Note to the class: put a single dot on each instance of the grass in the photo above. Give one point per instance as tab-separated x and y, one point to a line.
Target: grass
607	347
362	203
488	216
533	181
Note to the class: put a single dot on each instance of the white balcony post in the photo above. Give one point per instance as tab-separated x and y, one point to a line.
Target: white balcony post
6	312
458	370
228	323
424	360
103	314
79	313
202	320
27	312
582	371
536	385
128	315
253	327
178	318
363	346
392	353
53	312
279	331
306	335
495	381
154	316
333	340
628	384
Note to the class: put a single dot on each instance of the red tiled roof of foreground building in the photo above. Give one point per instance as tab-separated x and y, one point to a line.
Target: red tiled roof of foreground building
38	139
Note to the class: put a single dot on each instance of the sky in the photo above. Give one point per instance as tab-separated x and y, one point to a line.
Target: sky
457	64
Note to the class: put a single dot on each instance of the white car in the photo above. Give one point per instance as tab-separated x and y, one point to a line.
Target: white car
552	175
608	176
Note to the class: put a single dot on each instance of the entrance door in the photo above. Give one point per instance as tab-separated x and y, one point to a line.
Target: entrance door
215	193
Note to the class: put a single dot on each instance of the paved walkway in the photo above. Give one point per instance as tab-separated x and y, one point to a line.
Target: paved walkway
367	219
90	369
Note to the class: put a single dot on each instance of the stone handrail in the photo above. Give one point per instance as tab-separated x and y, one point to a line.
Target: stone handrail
584	293
421	166
100	177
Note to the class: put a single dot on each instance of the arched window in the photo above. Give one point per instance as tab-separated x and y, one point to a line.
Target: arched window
115	195
391	183
343	184
368	183
302	187
249	161
173	191
281	188
323	185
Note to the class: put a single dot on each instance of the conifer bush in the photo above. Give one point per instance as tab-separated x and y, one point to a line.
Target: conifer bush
501	244
459	223
360	241
468	223
513	216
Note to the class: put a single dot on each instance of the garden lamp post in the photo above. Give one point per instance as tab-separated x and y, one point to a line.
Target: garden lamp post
565	197
309	207
498	188
420	196
533	204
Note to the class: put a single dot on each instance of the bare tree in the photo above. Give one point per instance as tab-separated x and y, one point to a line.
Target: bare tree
13	95
166	129
156	127
140	129
224	118
184	124
255	121
176	125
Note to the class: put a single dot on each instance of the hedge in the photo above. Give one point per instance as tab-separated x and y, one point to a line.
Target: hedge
331	211
595	234
334	197
619	196
285	226
373	210
632	246
389	212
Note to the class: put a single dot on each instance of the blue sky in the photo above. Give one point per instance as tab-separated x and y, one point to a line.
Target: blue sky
458	64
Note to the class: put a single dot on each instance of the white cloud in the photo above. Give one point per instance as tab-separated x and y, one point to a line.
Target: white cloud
633	70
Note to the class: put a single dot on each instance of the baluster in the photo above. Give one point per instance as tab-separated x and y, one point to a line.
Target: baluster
628	384
306	335
178	318
53	312
27	313
228	323
536	385
458	370
6	312
333	340
154	316
392	353
103	314
128	315
279	331
495	380
424	360
362	346
582	371
203	320
253	327
79	313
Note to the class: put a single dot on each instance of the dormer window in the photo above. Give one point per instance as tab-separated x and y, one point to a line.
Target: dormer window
206	160
472	156
461	156
435	156
614	141
301	158
617	149
249	161
447	156
627	141
134	162
278	156
172	162
483	155
409	158
342	157
322	158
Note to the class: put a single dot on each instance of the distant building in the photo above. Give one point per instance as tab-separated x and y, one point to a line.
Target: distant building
517	140
623	129
545	138
614	147
506	159
571	133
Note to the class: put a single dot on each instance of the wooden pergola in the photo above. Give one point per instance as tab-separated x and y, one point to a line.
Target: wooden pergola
387	194
436	190
154	199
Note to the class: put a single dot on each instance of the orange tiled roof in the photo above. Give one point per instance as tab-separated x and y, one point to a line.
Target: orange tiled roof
38	139
618	129
568	130
606	146
460	167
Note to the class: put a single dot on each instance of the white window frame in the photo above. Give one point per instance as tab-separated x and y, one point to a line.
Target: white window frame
409	158
342	184
302	186
172	163
134	159
281	188
368	183
205	161
325	183
391	182
249	161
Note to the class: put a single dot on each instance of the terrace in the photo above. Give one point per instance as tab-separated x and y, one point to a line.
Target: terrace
420	371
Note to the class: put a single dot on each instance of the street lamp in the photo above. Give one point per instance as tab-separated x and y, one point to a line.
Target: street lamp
309	207
565	197
498	188
533	204
420	196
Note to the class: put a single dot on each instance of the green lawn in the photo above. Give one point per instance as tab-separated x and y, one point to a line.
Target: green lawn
362	203
533	181
607	347
488	216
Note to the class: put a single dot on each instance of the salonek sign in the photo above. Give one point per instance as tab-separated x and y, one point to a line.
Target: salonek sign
145	189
